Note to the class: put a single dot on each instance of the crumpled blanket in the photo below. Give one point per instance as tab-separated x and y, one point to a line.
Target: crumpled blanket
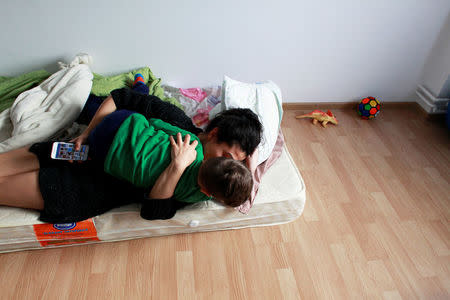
196	102
43	111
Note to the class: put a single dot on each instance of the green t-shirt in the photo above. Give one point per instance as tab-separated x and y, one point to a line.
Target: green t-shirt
140	152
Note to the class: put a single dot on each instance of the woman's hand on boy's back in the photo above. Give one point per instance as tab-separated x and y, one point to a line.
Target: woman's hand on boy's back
183	153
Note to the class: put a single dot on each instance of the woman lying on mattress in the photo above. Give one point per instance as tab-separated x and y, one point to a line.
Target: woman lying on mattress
66	192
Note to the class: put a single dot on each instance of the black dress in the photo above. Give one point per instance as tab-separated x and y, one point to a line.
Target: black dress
77	191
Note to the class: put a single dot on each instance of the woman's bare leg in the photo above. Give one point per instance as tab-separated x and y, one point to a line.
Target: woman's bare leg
21	190
18	161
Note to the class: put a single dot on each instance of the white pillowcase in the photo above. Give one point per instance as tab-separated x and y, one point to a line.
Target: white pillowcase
263	98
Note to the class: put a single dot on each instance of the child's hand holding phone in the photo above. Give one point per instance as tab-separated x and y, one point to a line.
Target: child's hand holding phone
66	151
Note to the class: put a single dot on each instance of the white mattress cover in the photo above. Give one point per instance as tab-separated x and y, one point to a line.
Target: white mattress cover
280	199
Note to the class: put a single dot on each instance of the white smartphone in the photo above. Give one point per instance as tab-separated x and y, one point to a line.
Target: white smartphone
65	151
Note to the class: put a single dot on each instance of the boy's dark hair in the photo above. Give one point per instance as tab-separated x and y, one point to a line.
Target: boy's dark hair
227	180
238	126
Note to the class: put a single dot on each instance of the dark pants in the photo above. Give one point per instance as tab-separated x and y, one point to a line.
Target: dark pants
100	139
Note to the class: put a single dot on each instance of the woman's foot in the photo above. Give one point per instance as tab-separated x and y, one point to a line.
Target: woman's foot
138	78
139	84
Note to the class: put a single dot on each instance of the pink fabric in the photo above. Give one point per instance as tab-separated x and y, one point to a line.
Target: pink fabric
196	94
261	170
202	117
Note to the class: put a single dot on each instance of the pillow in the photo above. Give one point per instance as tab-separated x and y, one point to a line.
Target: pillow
263	98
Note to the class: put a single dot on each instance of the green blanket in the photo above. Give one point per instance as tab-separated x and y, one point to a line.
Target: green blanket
11	87
103	85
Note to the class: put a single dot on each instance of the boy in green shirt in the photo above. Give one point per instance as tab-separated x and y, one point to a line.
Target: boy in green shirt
140	150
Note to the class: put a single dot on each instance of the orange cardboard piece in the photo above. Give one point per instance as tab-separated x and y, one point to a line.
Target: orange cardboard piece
65	233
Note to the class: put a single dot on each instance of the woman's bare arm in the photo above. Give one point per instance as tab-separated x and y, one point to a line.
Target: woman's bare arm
183	154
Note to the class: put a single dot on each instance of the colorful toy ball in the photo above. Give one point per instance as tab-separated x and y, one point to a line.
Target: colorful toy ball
368	108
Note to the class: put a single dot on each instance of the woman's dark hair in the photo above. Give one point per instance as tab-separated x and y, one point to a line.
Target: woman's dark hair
238	126
227	180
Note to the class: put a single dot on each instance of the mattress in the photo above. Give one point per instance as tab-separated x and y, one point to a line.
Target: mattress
280	199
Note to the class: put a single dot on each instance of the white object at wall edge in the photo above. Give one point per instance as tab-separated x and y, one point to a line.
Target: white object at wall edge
429	102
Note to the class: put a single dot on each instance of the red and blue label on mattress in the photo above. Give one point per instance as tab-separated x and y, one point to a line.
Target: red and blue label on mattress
65	233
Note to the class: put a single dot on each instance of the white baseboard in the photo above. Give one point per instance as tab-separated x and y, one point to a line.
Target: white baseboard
429	102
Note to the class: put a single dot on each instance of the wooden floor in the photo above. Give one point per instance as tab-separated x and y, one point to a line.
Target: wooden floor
375	226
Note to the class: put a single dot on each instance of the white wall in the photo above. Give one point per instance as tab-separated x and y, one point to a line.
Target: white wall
325	50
